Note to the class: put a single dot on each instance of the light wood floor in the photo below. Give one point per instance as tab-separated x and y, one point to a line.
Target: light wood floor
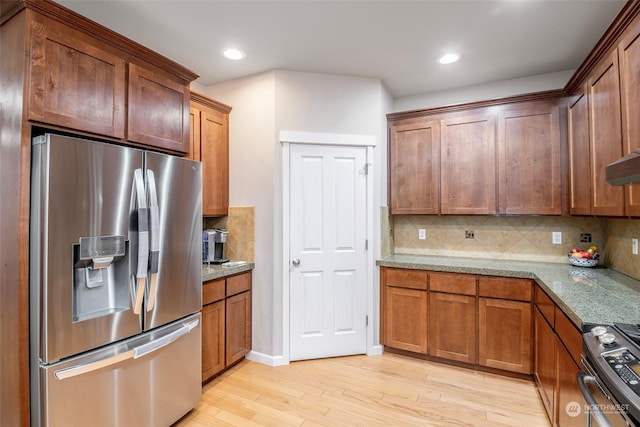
387	390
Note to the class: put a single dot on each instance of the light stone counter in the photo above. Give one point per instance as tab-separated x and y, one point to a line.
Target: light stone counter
586	295
216	271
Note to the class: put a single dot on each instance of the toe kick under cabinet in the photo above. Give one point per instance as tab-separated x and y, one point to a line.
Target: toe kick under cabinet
481	321
226	323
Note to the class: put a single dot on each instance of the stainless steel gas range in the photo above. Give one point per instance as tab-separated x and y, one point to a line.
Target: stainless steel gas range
610	382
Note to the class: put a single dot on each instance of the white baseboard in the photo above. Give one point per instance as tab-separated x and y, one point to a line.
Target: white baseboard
266	359
269	360
376	350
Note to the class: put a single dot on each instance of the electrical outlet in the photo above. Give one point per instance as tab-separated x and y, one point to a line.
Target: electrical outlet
634	246
556	237
422	233
585	237
469	234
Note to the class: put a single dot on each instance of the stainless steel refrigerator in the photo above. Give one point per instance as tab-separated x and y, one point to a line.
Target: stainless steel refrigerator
115	284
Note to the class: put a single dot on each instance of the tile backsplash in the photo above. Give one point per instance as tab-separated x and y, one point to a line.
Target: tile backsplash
494	237
618	256
240	223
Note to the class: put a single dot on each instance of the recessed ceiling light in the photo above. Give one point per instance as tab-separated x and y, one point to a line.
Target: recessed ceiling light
449	58
234	54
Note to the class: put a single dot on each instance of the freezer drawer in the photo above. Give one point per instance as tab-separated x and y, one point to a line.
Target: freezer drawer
151	380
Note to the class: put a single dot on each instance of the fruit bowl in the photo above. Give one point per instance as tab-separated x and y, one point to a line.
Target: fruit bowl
592	261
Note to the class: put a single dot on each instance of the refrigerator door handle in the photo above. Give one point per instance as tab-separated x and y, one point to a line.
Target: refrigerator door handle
164	341
74	371
154	216
143	241
135	353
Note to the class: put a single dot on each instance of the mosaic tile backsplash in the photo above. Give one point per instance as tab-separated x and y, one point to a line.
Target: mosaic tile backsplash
240	223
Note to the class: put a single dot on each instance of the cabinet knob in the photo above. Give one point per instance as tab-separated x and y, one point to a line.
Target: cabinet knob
296	261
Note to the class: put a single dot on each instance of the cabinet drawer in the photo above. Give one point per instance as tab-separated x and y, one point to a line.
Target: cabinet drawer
569	335
238	283
545	305
212	291
453	283
401	278
505	288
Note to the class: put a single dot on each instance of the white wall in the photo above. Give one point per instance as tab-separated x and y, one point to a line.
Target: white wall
251	177
494	90
264	105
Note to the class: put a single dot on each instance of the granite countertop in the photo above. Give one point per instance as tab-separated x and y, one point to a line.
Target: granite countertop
586	295
216	271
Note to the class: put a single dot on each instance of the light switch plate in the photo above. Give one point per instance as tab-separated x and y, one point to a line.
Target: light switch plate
422	234
556	237
634	246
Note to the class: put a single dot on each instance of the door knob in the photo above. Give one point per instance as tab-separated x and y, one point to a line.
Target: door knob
296	262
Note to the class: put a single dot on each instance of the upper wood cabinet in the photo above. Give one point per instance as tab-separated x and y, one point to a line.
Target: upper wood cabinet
579	154
605	135
414	168
83	82
158	110
504	159
468	170
629	57
529	160
75	82
210	144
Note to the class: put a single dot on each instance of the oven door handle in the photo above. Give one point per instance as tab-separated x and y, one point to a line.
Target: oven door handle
594	408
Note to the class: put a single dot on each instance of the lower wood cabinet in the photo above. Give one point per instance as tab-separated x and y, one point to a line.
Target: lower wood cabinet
544	371
452	316
505	324
404	308
226	323
452	326
478	320
557	346
213	336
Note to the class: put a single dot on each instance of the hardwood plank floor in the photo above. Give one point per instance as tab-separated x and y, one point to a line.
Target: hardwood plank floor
387	390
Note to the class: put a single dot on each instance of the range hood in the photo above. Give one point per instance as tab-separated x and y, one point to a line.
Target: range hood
625	170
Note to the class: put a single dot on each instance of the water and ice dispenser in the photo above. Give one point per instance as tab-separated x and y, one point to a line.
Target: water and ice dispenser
101	276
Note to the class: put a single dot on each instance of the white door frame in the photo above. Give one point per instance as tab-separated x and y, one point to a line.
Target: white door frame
290	137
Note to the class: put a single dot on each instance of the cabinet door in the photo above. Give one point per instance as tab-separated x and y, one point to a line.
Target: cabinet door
74	83
579	155
544	369
214	154
405	319
468	169
504	334
213	318
194	133
529	160
414	168
158	110
569	397
629	50
605	135
452	326
238	327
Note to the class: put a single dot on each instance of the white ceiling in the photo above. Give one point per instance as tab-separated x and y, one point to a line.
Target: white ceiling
396	41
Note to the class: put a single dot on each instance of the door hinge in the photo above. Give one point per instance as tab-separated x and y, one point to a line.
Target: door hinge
366	245
366	168
366	320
